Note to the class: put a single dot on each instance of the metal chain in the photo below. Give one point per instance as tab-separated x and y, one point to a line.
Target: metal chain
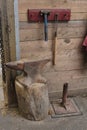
2	53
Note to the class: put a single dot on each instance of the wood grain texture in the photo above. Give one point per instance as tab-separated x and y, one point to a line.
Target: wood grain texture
68	55
74	16
42	46
77	79
9	47
26	25
71	65
75	6
38	34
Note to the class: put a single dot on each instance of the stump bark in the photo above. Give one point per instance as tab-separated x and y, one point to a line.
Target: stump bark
33	100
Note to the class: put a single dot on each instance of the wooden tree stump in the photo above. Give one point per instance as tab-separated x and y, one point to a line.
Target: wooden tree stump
33	100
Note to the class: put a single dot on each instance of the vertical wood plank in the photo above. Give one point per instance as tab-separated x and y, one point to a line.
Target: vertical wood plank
17	29
9	47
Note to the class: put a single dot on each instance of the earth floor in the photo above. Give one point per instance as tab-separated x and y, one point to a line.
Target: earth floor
10	119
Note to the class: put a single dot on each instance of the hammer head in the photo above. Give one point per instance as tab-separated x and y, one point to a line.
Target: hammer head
44	12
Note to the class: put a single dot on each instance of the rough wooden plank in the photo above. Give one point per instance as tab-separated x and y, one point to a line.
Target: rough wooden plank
56	84
71	92
74	16
26	25
78	16
0	4
42	46
63	32
12	45
61	62
75	6
8	31
69	55
11	29
16	17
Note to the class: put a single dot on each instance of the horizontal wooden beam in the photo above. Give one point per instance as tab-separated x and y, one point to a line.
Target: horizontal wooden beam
68	55
32	32
77	79
74	16
75	6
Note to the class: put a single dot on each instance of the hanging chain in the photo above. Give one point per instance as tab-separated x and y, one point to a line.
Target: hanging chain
2	53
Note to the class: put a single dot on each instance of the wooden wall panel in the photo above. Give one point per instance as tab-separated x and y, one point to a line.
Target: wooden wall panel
0	4
68	56
74	16
76	30
70	65
9	50
75	6
26	25
77	79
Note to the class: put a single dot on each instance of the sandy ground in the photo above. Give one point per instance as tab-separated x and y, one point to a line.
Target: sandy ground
10	119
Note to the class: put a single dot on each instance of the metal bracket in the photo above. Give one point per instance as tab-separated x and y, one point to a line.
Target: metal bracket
35	16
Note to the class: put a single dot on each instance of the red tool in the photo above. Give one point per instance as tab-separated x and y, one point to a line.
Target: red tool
85	43
35	15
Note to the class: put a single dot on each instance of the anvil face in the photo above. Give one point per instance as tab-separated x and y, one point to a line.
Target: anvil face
31	70
28	66
15	65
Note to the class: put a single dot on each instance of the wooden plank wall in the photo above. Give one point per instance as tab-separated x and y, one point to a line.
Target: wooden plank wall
70	66
0	4
9	50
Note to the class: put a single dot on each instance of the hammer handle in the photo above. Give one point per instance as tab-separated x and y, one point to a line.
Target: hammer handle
45	27
54	49
55	40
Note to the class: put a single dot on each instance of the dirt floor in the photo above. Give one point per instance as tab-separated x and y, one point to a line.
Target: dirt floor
10	119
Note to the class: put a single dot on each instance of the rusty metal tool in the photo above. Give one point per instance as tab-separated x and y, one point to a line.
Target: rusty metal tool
23	64
64	96
45	14
32	69
55	39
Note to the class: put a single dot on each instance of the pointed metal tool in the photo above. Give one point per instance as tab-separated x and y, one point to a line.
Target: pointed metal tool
64	96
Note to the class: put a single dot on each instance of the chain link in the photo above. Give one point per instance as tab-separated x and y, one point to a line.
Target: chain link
2	53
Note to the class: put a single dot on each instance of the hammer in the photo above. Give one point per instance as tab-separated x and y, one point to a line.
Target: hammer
45	14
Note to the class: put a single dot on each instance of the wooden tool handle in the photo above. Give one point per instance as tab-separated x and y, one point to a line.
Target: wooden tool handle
54	50
55	40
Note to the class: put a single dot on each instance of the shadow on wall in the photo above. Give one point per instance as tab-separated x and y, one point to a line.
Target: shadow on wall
84	54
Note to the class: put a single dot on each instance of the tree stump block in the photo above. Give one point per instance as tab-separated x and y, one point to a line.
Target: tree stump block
33	100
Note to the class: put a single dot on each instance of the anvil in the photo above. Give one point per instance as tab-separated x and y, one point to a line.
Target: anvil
31	69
